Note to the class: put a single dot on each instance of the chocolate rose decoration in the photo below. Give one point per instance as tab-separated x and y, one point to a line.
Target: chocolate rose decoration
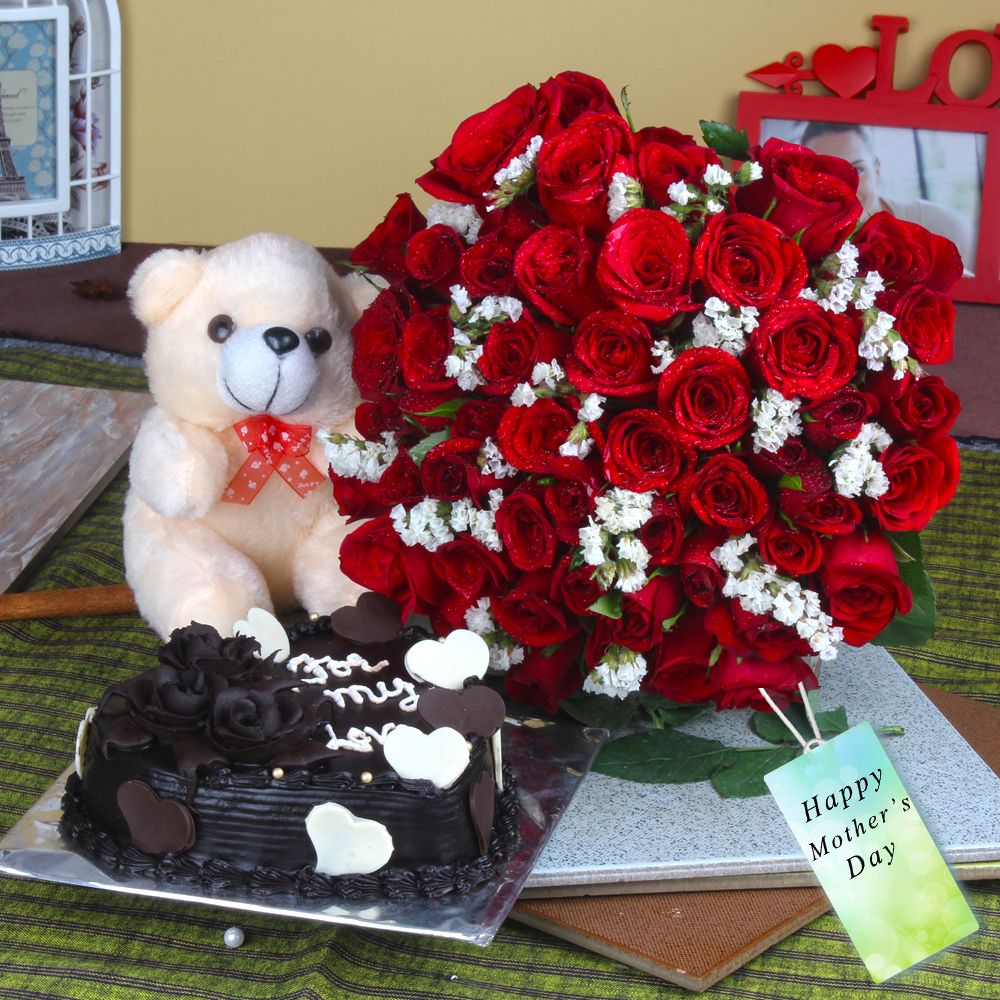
201	648
253	724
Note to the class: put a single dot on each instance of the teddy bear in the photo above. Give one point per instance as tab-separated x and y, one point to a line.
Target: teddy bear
229	506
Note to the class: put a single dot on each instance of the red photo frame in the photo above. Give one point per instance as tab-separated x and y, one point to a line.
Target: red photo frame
983	284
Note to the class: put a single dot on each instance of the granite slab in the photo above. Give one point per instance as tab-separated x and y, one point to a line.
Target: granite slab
621	836
59	447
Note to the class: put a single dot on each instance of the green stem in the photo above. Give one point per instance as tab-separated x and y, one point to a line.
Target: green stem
891	731
627	105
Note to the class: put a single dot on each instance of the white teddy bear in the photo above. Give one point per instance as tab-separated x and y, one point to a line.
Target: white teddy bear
229	505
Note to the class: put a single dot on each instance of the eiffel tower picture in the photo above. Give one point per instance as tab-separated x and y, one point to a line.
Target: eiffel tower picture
12	186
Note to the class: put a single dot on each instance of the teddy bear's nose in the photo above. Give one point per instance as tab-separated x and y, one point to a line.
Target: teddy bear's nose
281	340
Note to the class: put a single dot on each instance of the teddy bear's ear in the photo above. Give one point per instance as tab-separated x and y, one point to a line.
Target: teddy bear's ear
161	282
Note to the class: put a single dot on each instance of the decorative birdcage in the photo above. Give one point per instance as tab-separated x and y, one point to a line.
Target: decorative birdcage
60	131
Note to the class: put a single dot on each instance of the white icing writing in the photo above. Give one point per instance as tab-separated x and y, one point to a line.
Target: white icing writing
359	739
359	693
319	671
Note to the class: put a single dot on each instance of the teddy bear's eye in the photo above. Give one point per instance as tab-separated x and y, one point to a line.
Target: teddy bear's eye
319	340
220	328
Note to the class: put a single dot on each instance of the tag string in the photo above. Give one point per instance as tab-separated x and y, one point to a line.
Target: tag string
807	745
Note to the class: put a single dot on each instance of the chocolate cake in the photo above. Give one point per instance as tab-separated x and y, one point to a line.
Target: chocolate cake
336	772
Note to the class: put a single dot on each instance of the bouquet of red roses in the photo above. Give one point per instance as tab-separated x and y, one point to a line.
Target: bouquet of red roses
644	420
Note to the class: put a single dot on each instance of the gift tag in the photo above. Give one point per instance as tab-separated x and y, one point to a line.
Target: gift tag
872	853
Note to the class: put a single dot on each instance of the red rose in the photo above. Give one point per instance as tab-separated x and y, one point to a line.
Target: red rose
827	513
705	394
511	351
450	471
838	418
377	334
372	420
794	552
664	156
526	532
922	479
575	167
374	556
803	351
925	319
470	570
862	585
906	254
663	534
569	503
400	483
726	494
640	627
529	438
483	144
432	256
545	680
382	250
513	223
554	268
611	355
425	344
700	573
419	405
738	680
487	267
681	672
746	261
644	265
746	634
528	613
641	453
570	94
926	408
477	418
576	588
803	192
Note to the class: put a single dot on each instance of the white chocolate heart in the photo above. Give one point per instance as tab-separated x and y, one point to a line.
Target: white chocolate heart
448	662
346	844
267	630
82	735
439	757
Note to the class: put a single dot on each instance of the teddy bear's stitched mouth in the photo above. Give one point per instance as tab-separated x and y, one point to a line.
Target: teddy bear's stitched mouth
249	409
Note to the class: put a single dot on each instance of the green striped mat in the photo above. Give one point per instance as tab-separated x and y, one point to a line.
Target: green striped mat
57	941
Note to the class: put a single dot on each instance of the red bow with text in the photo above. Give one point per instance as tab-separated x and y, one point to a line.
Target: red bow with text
274	447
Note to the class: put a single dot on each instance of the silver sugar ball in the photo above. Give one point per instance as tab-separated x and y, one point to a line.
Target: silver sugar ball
233	937
278	773
314	617
366	777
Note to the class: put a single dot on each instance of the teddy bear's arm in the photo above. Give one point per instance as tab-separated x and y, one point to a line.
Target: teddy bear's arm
177	468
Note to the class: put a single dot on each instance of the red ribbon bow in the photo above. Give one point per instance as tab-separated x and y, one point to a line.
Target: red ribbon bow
274	447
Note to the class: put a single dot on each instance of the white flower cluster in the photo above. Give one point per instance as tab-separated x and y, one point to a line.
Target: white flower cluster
681	193
608	543
856	470
720	326
431	523
464	219
624	193
516	177
776	419
504	651
461	364
355	458
548	372
664	355
761	590
882	343
592	408
618	674
493	461
717	176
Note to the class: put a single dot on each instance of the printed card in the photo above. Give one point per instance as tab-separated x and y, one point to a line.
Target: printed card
872	853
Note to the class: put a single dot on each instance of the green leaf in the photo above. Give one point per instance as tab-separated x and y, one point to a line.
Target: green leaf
600	710
791	482
667	712
448	409
419	451
668	623
769	727
609	605
663	756
744	777
917	627
726	140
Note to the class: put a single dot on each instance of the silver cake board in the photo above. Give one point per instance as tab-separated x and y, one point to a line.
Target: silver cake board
620	836
548	763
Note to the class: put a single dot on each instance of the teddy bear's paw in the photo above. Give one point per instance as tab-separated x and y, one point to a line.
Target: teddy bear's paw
221	606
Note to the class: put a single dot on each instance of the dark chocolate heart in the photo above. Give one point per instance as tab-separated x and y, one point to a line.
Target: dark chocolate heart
157	826
481	800
473	711
374	618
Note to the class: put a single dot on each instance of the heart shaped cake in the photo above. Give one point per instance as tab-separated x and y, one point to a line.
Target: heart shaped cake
317	774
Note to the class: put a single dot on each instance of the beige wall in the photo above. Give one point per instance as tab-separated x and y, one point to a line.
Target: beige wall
308	116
